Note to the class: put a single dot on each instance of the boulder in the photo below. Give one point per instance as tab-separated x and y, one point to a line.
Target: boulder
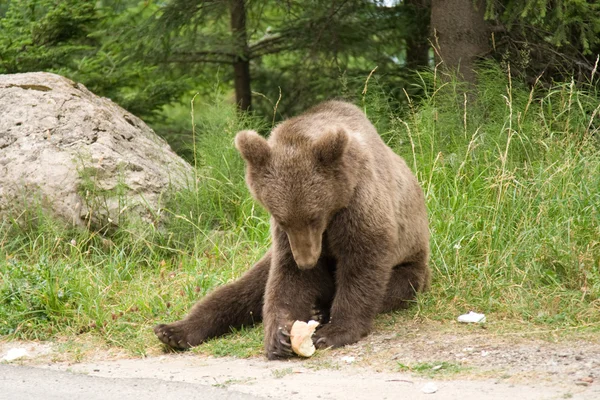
81	157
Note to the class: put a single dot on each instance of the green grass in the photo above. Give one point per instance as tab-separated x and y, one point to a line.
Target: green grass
433	369
513	192
280	373
512	183
243	343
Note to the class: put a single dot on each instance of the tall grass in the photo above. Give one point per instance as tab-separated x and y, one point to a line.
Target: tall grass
512	183
66	283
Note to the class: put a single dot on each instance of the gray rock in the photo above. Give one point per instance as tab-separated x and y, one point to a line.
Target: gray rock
81	157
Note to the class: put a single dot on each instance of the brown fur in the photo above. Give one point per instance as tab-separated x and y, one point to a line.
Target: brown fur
349	228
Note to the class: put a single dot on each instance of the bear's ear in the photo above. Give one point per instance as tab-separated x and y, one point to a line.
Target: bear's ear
253	148
331	146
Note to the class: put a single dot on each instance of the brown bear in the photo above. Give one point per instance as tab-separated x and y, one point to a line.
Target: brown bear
349	231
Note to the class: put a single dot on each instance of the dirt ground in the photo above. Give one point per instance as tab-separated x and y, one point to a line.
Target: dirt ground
456	363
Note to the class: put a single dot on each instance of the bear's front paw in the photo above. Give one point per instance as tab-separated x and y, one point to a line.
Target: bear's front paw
278	344
319	314
332	335
175	335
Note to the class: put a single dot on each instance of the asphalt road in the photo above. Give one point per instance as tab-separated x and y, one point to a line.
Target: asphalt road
26	383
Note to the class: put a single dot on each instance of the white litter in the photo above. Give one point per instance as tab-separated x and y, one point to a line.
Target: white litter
472	317
348	359
13	354
429	388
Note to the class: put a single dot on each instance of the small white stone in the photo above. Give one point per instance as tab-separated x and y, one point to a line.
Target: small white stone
472	317
429	388
13	354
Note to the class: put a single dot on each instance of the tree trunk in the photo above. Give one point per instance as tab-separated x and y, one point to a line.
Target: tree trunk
417	45
241	62
460	34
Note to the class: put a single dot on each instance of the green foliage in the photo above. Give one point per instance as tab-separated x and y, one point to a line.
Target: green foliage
433	369
553	38
511	175
331	47
90	42
218	198
45	34
244	343
150	55
562	22
147	56
511	184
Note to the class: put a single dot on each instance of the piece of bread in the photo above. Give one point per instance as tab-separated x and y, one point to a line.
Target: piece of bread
301	337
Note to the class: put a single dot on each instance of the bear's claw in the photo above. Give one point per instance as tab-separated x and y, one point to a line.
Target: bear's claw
280	346
332	335
320	315
172	335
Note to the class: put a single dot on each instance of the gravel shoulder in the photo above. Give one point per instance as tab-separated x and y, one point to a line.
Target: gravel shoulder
465	364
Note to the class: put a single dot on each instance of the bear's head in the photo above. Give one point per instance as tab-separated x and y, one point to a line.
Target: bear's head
302	181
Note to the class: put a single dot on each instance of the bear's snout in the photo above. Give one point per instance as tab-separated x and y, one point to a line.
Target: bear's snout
306	263
306	246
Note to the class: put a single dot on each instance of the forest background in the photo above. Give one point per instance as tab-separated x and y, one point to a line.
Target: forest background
493	103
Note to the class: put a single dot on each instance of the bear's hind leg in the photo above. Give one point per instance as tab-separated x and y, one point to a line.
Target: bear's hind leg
406	280
231	306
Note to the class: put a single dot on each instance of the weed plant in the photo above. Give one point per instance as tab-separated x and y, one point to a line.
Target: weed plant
512	182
